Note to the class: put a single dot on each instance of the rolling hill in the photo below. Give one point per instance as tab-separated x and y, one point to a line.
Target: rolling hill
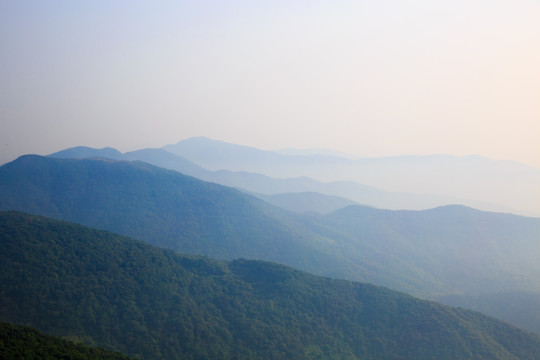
124	295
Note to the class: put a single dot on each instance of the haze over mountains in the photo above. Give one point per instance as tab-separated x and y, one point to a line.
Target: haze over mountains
465	179
261	185
366	186
127	296
407	182
449	251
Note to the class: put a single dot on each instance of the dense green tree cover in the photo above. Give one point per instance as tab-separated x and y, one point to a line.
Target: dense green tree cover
307	202
24	343
124	295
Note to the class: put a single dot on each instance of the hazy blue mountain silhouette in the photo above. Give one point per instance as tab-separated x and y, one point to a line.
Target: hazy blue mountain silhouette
265	185
473	179
468	250
307	202
154	156
219	155
81	152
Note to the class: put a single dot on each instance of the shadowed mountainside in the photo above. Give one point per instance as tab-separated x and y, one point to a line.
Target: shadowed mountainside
21	343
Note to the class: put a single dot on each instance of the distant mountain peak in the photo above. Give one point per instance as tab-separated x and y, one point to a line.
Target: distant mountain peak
85	151
201	142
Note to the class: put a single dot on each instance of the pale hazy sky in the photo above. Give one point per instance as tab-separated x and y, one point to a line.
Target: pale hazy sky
371	77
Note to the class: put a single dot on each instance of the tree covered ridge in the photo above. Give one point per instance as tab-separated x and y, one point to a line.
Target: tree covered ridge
25	343
124	295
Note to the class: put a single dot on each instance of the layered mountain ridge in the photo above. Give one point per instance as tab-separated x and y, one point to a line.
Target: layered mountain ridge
397	168
449	251
471	180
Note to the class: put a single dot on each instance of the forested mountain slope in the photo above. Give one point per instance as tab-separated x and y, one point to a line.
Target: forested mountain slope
23	343
125	295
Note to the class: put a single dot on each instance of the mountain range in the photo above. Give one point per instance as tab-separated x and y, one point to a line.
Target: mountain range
257	183
450	253
103	289
471	180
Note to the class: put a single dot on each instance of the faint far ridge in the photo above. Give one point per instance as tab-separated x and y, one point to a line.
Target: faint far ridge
318	151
